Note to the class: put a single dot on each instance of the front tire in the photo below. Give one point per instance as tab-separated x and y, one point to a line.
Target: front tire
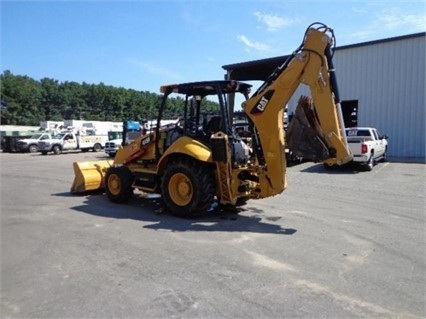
385	155
33	148
118	184
187	187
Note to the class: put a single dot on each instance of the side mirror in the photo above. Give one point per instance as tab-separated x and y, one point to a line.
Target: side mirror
385	137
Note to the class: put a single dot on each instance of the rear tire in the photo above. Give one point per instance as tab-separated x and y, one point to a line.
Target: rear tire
97	147
56	150
118	184
370	164
187	187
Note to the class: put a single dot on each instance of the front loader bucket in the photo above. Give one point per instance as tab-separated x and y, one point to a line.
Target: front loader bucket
89	176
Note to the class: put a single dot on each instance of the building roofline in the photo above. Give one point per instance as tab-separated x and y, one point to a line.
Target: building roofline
397	38
261	68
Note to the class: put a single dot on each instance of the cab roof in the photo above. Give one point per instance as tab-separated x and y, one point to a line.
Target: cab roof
205	88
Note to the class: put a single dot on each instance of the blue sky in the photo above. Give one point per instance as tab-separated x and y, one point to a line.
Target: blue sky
144	44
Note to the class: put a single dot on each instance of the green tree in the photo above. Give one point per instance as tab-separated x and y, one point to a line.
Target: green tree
53	100
21	98
27	101
74	97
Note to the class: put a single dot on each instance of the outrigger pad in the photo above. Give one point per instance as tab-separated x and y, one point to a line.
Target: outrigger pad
304	135
89	176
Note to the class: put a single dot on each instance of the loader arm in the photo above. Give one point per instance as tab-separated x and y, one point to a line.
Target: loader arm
310	65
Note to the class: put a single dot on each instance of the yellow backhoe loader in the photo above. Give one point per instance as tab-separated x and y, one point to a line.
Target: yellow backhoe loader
202	158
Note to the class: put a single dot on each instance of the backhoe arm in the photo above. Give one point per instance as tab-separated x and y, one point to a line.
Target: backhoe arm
310	65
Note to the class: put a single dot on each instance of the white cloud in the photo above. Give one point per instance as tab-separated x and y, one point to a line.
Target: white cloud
389	22
274	22
395	18
252	44
362	34
154	69
358	10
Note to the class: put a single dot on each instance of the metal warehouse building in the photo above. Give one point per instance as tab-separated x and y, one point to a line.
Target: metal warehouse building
383	80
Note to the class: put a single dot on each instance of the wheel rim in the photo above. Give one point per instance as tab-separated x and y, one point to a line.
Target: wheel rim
180	189
114	184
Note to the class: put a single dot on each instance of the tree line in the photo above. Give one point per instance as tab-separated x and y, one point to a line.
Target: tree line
25	101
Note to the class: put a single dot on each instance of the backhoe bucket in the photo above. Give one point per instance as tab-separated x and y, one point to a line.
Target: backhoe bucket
304	134
89	176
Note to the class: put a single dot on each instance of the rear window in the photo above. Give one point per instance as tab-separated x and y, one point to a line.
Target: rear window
357	132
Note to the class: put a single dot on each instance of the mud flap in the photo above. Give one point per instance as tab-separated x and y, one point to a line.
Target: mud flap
89	176
304	135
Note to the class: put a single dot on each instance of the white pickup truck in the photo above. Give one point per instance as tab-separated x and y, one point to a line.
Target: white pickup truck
367	146
70	141
31	144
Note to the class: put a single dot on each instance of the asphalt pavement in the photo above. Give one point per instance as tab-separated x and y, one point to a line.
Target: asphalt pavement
336	244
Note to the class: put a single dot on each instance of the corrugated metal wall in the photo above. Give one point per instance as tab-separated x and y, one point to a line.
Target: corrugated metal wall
388	80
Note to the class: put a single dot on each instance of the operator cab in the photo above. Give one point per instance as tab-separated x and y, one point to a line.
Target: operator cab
206	109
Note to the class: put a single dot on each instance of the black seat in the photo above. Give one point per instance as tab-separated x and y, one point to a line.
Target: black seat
214	125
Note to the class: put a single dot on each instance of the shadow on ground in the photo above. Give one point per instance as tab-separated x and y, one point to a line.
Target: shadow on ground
348	169
150	209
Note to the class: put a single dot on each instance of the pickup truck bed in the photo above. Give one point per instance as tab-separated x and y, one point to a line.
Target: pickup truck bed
367	145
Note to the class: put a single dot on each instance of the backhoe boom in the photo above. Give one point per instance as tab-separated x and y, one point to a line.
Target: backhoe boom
310	66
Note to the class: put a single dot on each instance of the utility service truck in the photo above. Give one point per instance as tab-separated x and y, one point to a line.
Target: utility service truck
69	141
130	131
115	139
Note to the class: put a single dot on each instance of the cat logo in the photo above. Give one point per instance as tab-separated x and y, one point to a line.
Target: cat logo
262	103
146	141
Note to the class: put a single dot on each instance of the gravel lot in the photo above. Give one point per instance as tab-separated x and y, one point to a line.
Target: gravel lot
335	244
